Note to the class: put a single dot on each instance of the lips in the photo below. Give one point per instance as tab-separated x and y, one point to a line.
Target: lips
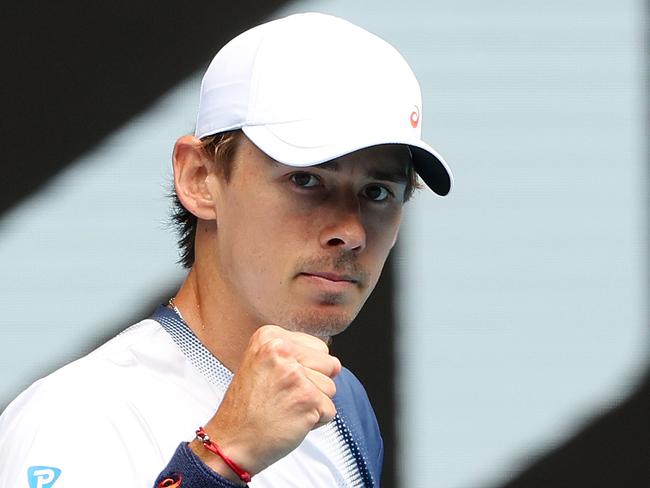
330	283
334	277
337	272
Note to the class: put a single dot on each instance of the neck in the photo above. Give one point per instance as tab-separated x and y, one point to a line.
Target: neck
206	305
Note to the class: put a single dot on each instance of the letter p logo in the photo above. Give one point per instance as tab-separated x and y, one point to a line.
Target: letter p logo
42	476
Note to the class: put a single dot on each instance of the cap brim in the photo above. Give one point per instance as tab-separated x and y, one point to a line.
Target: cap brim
432	168
429	165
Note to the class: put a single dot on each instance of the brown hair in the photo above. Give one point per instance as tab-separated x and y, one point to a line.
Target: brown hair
412	182
221	149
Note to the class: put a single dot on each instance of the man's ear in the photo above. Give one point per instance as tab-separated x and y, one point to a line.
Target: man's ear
192	173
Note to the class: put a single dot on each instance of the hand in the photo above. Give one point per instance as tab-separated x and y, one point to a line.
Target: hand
282	390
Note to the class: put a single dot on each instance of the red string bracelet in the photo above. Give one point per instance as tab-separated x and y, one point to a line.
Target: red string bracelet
211	446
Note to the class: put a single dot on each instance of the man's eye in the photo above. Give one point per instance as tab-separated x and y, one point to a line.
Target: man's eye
304	180
377	193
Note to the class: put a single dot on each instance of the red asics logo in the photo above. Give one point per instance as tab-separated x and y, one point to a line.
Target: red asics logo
415	117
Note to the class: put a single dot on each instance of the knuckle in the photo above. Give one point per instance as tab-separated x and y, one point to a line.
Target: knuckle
304	403
314	417
320	344
327	412
293	373
335	365
275	347
305	399
264	334
331	388
311	341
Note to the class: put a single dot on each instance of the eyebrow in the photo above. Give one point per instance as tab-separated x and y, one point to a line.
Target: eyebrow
376	174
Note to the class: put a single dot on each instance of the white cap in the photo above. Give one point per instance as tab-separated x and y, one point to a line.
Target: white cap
311	87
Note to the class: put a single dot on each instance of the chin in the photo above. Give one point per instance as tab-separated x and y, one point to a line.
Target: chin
321	323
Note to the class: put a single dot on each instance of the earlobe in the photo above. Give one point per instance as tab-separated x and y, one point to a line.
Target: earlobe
191	178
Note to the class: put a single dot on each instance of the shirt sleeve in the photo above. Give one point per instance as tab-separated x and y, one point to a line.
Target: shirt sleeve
52	437
356	411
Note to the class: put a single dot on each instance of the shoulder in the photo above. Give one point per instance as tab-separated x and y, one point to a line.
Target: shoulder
356	412
351	397
95	382
140	367
114	365
350	392
118	397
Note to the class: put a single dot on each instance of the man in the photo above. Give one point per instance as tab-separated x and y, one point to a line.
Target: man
289	199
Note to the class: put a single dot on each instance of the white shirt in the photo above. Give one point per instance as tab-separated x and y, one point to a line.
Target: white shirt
116	416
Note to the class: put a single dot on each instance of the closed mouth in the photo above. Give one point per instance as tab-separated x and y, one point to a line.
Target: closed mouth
335	277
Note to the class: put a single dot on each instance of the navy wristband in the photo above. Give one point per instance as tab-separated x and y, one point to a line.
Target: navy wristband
186	470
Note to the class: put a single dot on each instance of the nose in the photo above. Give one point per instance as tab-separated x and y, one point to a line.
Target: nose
345	230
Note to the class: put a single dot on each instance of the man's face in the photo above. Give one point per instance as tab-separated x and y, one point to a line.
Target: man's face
303	248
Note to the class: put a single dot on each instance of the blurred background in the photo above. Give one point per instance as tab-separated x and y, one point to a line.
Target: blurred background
507	343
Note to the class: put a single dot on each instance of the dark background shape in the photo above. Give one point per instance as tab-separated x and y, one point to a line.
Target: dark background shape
73	72
610	451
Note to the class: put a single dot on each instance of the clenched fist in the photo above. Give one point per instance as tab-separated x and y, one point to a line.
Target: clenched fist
282	390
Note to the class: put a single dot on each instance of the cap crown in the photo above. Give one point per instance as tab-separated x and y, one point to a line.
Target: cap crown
311	87
310	68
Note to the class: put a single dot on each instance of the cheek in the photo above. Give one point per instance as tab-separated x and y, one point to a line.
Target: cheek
382	231
249	266
263	239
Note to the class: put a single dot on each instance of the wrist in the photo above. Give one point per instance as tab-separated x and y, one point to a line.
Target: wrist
212	454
